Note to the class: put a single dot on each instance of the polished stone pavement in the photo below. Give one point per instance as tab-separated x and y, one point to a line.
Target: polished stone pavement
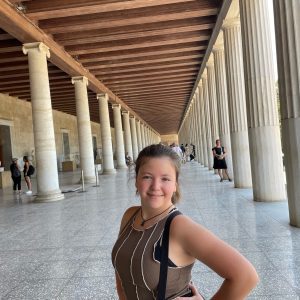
61	250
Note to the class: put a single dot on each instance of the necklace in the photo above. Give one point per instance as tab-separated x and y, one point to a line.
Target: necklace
146	220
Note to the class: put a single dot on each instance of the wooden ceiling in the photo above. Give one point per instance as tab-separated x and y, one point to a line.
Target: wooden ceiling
148	53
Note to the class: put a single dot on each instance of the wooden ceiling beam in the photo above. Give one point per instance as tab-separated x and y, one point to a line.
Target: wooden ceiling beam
135	35
140	74
143	54
146	78
56	8
156	85
154	82
135	43
156	90
201	23
138	17
180	91
153	66
145	59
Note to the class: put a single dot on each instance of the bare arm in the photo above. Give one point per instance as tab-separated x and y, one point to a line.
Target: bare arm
214	153
239	275
120	290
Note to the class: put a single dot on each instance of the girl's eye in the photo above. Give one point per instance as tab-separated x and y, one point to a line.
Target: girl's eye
166	179
146	177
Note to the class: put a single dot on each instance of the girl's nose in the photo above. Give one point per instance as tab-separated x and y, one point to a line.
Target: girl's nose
155	184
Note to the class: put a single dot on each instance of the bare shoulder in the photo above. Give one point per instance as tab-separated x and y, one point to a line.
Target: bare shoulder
127	215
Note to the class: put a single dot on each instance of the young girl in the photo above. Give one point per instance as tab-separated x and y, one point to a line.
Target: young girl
137	253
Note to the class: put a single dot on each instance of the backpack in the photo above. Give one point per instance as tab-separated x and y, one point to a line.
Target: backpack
16	172
31	170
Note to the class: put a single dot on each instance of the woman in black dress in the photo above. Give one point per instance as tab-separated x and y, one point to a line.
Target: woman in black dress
219	153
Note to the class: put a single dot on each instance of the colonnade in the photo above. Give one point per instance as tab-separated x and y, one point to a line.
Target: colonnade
235	100
137	135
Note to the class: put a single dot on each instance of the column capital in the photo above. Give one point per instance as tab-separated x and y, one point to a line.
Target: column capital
116	105
82	79
125	112
138	121
219	44
38	46
200	84
131	117
230	23
204	74
210	62
103	96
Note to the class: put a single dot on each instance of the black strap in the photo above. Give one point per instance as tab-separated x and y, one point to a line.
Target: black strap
163	272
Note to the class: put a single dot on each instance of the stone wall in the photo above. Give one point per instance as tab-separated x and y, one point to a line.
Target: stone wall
18	115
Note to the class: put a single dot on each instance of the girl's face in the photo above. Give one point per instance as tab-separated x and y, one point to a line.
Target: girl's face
156	182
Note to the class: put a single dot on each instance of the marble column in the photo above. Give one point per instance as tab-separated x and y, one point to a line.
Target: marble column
213	109
143	135
237	103
120	153
146	136
107	151
43	129
202	122
222	100
84	129
139	137
135	149
127	133
207	121
198	124
287	29
262	112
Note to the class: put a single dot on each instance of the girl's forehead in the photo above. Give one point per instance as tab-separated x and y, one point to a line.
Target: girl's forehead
158	163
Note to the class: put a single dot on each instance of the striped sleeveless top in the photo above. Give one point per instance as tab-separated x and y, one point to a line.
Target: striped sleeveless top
134	260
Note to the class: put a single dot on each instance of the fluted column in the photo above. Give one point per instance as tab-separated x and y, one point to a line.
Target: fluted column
143	135
127	133
263	125
120	153
134	137
207	121
139	137
198	120
202	123
147	136
198	152
43	130
222	100
287	29
213	109
237	103
107	152
84	129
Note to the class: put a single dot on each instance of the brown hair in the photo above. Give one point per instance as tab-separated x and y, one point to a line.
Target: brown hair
159	150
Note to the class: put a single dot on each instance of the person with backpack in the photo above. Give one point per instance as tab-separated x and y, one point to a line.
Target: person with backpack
15	174
28	171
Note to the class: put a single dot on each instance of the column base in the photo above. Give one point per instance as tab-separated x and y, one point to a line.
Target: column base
109	172
122	167
51	197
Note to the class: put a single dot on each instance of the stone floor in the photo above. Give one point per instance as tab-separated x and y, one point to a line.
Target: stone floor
62	250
